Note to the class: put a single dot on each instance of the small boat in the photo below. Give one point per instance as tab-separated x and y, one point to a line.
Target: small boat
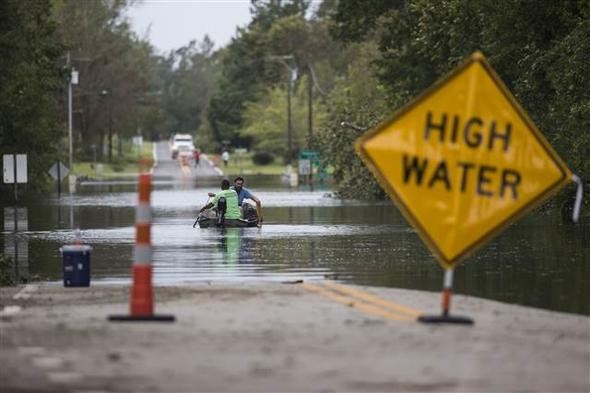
215	218
206	221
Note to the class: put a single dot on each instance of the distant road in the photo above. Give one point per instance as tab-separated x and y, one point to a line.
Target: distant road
167	168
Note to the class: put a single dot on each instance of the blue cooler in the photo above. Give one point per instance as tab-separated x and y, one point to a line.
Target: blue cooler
76	265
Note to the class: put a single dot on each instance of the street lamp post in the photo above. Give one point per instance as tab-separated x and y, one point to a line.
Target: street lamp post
94	156
111	130
289	122
310	83
73	81
292	77
105	93
309	107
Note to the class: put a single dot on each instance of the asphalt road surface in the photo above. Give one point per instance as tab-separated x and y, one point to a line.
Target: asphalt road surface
179	169
316	336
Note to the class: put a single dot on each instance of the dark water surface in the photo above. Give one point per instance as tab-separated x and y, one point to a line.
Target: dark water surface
306	235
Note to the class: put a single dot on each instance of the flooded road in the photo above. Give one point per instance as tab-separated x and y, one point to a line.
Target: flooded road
307	234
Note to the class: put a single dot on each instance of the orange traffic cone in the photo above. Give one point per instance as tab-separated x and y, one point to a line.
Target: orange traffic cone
141	304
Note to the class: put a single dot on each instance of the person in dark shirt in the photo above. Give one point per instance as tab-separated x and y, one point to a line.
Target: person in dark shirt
244	193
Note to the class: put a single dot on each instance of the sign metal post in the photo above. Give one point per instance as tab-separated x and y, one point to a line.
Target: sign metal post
58	171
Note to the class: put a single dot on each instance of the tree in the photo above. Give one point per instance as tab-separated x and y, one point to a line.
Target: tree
353	20
242	69
31	80
266	12
189	86
265	120
541	51
113	65
359	99
247	69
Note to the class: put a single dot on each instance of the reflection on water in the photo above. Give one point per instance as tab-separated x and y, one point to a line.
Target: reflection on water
16	221
307	235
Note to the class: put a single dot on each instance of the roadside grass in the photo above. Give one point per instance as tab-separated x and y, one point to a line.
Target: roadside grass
243	165
125	165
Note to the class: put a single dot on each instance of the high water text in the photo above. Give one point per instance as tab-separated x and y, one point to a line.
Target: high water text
485	180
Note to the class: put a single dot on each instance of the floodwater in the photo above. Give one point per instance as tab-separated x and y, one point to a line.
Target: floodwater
307	234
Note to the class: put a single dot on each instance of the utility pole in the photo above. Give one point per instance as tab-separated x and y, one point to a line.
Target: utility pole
289	123
71	144
111	129
73	80
292	77
312	81
104	93
309	106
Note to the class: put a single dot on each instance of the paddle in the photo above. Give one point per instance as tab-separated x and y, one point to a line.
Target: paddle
206	203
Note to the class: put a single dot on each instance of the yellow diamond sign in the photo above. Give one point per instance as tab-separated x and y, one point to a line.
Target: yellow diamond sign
462	161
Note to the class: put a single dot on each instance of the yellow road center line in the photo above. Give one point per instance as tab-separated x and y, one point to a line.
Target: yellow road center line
367	297
370	309
331	295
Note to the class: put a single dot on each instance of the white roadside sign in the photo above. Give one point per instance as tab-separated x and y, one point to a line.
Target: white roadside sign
21	168
59	171
9	168
8	165
304	167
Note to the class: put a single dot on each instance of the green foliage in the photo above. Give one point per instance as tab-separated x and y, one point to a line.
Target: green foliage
262	158
353	20
566	116
266	12
265	120
31	79
290	36
119	165
360	100
251	63
7	274
126	87
540	50
114	68
364	61
242	69
189	86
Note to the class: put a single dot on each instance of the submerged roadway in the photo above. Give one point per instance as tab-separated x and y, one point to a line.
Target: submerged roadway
167	168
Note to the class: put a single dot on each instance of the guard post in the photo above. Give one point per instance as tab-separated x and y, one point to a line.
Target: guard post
141	305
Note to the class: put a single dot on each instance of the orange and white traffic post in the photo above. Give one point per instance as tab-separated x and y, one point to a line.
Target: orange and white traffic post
141	303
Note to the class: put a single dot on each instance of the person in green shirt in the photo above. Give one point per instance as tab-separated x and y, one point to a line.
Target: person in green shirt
232	211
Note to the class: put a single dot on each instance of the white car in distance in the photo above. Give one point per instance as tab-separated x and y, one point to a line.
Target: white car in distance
182	142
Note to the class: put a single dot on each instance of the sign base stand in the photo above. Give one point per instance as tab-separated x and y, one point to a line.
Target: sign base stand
141	318
445	319
446	305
